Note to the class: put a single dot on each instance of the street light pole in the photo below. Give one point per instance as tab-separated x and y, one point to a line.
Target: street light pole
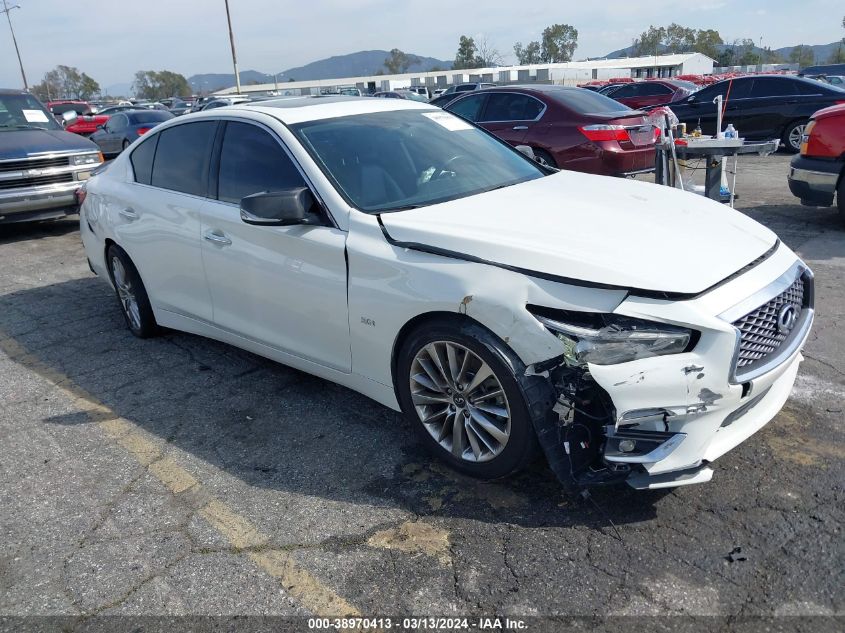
7	9
232	42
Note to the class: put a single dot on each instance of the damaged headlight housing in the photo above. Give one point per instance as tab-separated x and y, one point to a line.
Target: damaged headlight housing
608	339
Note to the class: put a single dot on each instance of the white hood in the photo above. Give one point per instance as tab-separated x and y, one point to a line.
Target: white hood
594	229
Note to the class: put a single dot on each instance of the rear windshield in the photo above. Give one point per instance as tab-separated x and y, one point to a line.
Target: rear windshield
23	111
586	101
149	116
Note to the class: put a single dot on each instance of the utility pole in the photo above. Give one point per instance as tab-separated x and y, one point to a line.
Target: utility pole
7	9
232	42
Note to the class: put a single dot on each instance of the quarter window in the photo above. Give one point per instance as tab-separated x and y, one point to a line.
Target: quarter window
181	161
142	160
252	161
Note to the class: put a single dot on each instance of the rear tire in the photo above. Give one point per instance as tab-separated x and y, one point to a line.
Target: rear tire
544	158
491	421
792	136
131	294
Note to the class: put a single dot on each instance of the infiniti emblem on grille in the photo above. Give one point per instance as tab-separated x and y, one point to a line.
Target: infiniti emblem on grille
787	317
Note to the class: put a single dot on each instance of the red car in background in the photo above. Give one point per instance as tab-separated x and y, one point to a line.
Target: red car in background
817	173
567	128
652	92
87	122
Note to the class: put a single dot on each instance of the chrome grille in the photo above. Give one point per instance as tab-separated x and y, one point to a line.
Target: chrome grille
759	334
34	163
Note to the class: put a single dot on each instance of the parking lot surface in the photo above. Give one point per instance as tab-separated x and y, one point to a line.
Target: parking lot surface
182	476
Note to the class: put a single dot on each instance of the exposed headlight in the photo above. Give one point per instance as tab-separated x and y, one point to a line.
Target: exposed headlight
86	159
608	339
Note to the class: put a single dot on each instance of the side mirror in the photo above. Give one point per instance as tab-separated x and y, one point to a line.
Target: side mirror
70	117
526	149
280	208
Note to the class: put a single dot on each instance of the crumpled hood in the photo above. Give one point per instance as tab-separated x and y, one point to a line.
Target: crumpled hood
22	143
594	229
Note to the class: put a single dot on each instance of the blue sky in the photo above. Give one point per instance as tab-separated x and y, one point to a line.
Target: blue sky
112	39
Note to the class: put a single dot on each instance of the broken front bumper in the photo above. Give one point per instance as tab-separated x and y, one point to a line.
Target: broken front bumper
676	414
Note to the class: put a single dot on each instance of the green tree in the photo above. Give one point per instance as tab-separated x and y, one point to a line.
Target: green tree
66	82
397	63
528	54
708	42
558	43
771	57
838	56
745	53
151	84
802	55
650	42
679	39
465	57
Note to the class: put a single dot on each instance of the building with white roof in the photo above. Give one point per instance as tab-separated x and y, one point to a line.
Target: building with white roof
566	73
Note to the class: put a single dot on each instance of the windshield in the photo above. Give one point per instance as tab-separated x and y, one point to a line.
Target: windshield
22	112
389	161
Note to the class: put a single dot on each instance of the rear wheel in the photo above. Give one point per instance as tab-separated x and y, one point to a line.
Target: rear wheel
544	158
457	386
792	136
131	294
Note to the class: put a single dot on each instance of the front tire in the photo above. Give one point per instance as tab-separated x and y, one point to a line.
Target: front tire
131	294
457	387
792	136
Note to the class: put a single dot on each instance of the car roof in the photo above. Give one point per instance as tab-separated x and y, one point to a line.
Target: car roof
314	108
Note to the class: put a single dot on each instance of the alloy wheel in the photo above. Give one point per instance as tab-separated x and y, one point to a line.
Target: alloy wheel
460	401
126	293
795	135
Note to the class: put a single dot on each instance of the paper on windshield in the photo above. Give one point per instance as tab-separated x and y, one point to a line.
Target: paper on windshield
34	116
449	121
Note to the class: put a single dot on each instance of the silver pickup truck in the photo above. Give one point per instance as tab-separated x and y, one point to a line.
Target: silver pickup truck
41	165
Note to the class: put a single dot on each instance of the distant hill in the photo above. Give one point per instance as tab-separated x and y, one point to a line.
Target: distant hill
362	63
821	52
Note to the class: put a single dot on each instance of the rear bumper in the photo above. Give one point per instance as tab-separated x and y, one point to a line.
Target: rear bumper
814	180
605	162
38	203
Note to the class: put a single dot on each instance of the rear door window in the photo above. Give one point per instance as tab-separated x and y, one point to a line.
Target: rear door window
511	107
253	161
773	87
647	89
182	158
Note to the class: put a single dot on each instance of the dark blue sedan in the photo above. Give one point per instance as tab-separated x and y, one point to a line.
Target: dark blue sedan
124	127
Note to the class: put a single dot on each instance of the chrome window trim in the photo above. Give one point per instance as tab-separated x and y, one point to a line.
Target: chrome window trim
761	297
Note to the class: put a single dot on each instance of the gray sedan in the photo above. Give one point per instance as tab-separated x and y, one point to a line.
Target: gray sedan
124	127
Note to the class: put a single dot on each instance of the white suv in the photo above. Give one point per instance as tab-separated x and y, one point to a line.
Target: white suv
633	332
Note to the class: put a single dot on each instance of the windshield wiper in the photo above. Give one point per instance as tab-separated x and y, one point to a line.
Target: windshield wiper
23	126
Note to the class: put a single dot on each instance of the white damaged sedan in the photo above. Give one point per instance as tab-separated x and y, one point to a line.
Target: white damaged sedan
632	332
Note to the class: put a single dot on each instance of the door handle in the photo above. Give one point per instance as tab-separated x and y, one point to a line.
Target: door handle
129	213
520	127
216	238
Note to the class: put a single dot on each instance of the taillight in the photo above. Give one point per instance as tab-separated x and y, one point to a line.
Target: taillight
805	138
599	133
143	130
